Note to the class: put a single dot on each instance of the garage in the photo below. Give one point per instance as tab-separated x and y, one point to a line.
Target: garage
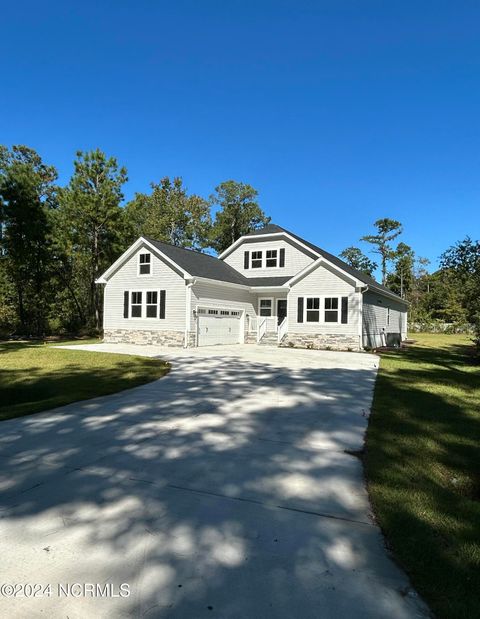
218	326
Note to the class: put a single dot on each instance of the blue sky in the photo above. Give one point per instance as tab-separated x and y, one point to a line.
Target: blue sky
337	112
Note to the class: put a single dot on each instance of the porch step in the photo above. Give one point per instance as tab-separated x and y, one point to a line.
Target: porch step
269	339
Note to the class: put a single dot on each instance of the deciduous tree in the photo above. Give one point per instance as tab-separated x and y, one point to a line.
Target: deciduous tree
239	213
169	214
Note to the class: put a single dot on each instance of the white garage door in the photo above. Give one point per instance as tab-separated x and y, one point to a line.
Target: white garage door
218	326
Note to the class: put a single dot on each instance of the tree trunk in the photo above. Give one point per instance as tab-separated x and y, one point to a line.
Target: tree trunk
384	267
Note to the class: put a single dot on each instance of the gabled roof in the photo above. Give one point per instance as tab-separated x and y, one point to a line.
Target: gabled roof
198	264
363	277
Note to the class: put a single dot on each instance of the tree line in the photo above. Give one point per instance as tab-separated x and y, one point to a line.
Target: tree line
451	294
56	240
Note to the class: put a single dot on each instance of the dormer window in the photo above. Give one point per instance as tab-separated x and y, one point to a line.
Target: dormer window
256	259
271	258
145	264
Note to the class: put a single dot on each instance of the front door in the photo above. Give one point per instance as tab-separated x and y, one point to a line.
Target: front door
281	310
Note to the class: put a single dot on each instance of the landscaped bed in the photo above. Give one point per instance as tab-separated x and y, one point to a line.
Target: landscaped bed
423	468
36	376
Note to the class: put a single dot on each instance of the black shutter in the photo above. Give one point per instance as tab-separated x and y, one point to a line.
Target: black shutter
282	257
162	303
300	309
246	259
344	310
125	304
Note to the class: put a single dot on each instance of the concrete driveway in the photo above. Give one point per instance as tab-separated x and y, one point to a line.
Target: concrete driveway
225	490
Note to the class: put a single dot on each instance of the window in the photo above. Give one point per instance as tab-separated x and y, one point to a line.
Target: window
235	313
265	307
271	258
213	312
256	259
331	309
144	264
136	305
388	316
313	310
224	313
152	304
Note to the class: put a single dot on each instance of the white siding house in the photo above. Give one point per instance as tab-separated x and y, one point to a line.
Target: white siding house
315	310
270	286
119	325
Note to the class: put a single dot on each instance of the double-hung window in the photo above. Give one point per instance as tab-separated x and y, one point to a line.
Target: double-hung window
136	304
331	309
265	307
145	264
256	259
271	258
152	304
312	309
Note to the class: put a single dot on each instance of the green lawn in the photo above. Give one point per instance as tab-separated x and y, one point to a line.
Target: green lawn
423	469
36	377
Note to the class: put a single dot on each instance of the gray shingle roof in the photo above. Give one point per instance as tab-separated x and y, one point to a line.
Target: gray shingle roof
200	265
363	277
210	267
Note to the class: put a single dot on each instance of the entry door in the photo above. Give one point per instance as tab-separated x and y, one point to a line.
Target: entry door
281	310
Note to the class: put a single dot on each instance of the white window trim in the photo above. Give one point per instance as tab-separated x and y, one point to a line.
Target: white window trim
273	307
140	253
143	305
264	259
157	317
261	251
338	310
322	320
277	249
313	322
131	304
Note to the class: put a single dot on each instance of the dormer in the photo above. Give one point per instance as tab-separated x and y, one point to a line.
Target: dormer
268	252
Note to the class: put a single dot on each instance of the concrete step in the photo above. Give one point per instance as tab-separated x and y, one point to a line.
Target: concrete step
271	340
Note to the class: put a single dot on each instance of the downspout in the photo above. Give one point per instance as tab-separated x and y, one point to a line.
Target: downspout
360	322
188	312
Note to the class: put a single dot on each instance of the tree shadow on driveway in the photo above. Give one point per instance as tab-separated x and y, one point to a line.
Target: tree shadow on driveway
221	490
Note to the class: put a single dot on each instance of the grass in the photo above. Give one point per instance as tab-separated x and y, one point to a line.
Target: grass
35	376
423	469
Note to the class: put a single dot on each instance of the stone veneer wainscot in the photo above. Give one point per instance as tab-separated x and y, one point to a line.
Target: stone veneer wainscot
142	336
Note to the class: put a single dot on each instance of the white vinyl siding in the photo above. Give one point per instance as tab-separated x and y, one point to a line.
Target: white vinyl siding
163	277
295	260
320	283
381	315
217	296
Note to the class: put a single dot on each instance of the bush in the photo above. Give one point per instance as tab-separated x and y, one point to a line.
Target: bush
440	326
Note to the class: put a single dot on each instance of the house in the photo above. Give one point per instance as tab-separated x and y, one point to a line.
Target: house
270	286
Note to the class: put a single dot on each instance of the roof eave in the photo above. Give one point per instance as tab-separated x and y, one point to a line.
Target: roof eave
209	280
